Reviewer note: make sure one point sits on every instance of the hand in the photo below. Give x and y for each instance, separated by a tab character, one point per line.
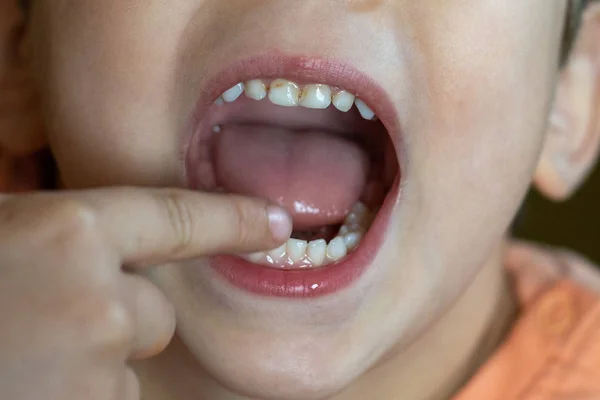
70	316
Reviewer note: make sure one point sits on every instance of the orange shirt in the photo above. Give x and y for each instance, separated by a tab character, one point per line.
553	351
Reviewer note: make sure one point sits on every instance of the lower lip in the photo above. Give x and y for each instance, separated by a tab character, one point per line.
310	283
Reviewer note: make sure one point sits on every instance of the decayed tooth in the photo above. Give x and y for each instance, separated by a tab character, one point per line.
353	219
352	240
316	96
343	100
360	208
358	215
234	93
284	93
317	250
296	249
357	227
343	230
256	89
336	250
364	110
277	255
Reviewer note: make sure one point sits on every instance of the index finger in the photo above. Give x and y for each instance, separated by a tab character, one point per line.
161	225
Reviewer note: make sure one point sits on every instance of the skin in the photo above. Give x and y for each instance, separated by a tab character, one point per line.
474	87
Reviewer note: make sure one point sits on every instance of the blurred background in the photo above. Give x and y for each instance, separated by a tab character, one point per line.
574	224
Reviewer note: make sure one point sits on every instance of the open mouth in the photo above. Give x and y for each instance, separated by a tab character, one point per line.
312	140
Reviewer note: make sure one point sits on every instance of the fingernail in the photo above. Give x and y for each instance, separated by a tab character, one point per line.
280	223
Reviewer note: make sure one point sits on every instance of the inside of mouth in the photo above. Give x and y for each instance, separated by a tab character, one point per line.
329	164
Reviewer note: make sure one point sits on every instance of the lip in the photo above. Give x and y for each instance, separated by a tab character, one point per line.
310	282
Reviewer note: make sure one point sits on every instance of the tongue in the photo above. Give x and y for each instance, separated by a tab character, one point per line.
317	176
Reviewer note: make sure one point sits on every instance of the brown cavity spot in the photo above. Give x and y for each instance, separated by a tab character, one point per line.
324	232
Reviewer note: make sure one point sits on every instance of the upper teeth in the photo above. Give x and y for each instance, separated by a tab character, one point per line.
288	94
256	89
364	109
343	100
316	96
284	93
234	93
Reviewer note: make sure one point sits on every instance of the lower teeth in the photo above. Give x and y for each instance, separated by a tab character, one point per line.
295	254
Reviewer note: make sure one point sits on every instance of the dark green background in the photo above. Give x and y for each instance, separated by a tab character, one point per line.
574	224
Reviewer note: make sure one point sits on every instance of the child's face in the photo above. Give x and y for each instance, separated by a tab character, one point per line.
471	83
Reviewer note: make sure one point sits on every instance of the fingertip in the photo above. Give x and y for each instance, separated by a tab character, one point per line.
280	223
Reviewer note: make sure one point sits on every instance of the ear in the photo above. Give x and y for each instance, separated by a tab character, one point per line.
21	130
573	139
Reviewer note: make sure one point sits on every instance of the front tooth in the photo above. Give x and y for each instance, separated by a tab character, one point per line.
352	240
256	258
317	250
256	89
277	255
234	93
364	110
316	96
336	250
284	93
296	250
343	101
219	101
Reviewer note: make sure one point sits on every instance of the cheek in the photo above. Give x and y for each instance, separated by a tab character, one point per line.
107	88
474	118
480	119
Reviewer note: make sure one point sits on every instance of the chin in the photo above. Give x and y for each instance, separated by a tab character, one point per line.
287	368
